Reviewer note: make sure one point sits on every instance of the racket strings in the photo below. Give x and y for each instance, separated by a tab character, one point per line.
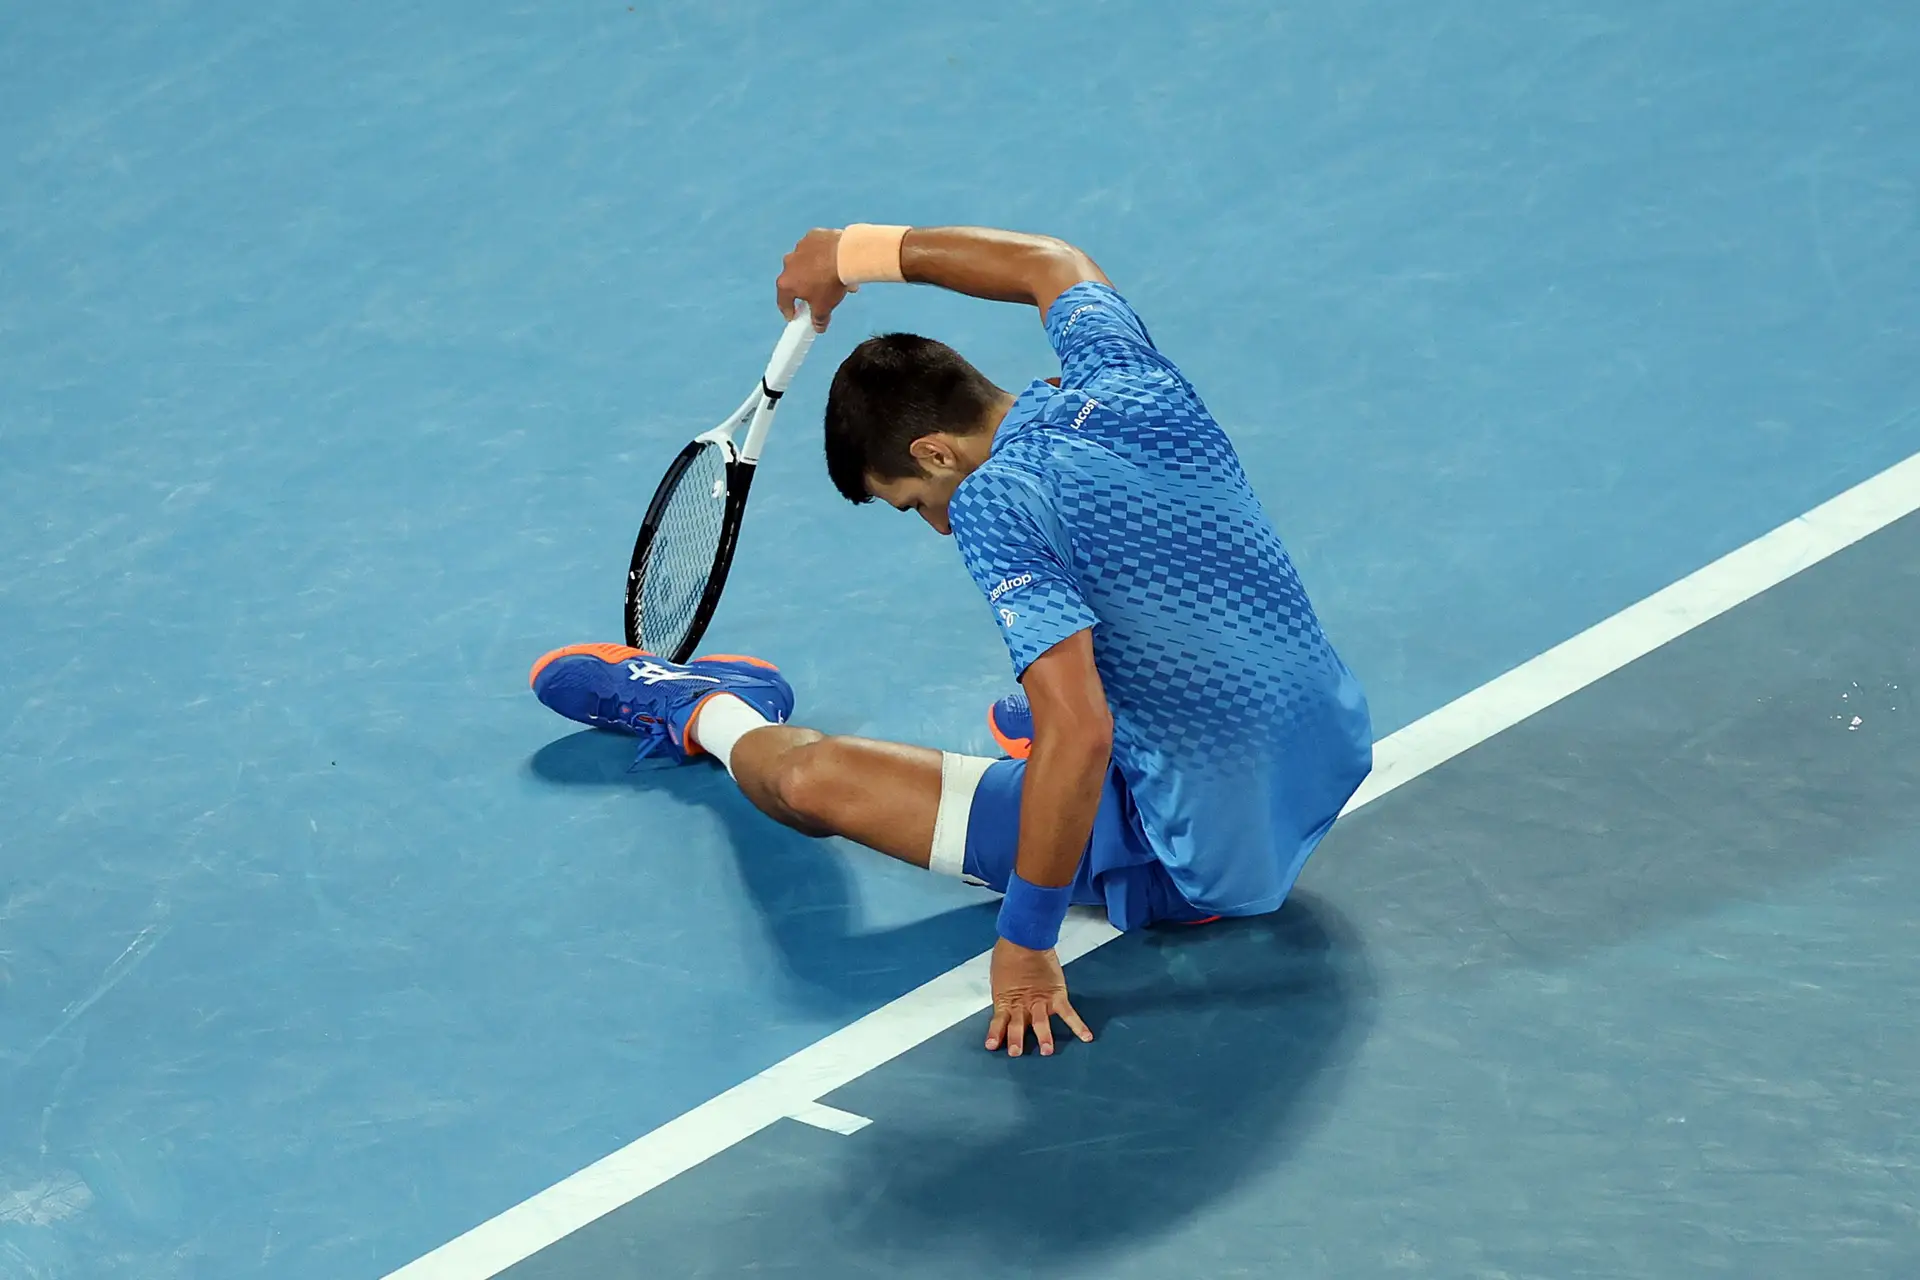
681	559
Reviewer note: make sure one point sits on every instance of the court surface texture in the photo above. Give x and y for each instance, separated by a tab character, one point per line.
1573	348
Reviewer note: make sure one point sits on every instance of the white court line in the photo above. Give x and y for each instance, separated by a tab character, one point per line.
832	1119
788	1087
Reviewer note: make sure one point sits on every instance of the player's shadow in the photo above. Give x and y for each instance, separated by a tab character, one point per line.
1220	1049
798	885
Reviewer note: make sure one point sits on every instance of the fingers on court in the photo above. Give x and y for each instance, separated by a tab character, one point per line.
1073	1020
997	1028
1016	1031
1042	1026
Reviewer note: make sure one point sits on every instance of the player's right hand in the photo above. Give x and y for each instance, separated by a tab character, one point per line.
1029	990
811	274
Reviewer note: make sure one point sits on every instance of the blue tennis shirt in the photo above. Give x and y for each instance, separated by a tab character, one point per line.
1116	502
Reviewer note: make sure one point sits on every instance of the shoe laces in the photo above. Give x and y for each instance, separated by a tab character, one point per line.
655	737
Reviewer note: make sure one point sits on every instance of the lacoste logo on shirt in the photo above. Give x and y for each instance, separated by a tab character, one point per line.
1077	312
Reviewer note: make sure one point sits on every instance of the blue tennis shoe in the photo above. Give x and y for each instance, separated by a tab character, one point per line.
611	686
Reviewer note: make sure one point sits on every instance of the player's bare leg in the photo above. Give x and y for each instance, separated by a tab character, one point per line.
734	708
883	795
910	803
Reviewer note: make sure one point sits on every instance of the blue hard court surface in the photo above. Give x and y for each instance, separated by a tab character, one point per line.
340	345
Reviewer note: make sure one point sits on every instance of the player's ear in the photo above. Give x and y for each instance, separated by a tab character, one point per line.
933	451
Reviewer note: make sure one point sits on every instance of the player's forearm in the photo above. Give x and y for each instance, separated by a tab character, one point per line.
1065	775
1002	266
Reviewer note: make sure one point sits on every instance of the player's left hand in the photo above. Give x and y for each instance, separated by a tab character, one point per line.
1029	988
811	274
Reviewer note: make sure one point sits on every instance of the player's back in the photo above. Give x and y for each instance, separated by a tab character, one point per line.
1206	636
1239	729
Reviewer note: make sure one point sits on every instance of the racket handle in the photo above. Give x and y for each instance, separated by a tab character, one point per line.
790	350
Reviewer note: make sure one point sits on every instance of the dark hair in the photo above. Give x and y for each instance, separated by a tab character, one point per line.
893	390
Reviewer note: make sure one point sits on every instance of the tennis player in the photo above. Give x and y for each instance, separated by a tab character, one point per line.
1186	734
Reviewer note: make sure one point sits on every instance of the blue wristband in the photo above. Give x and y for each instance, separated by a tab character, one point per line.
1030	916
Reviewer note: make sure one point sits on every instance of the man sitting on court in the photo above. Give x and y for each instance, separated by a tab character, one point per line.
1187	734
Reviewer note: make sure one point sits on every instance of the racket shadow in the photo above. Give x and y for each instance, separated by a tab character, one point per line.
799	886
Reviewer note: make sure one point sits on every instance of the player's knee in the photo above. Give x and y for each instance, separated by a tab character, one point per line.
808	781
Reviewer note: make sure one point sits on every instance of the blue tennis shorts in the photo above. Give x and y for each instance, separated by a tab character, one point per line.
1118	871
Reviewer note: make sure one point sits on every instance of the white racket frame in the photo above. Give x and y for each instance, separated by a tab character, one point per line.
758	409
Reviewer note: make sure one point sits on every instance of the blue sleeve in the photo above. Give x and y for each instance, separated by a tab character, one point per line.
1105	351
1094	331
1016	552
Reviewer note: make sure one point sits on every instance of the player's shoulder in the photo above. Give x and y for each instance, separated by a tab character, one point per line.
1104	345
1011	478
1085	298
1013	493
1093	309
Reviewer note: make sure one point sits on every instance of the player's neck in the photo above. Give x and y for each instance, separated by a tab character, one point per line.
977	446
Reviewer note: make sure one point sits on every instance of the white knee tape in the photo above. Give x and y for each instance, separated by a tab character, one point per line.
959	779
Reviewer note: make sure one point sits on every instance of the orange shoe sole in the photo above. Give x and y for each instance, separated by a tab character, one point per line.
612	653
736	657
1016	748
617	653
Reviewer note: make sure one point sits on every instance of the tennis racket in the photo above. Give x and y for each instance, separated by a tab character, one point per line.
685	547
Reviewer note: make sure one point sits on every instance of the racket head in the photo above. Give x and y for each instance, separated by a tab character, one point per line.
686	541
685	547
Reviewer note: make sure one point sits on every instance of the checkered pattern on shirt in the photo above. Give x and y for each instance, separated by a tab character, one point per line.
1117	503
1121	503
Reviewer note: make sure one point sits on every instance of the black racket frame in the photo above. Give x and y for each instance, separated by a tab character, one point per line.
739	481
